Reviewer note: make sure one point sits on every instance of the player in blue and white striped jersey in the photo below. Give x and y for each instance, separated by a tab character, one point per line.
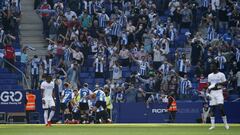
66	96
84	93
101	112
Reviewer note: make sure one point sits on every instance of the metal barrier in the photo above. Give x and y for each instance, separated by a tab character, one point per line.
24	79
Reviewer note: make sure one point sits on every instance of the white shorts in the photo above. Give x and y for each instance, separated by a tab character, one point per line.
216	97
48	103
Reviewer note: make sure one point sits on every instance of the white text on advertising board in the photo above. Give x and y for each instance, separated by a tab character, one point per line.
158	110
10	97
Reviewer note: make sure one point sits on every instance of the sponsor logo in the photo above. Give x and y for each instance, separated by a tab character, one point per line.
11	97
159	110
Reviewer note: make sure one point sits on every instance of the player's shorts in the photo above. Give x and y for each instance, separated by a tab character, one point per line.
101	103
83	106
216	97
63	106
101	115
48	103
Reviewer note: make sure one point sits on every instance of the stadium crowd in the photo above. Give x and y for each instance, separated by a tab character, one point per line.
10	15
138	50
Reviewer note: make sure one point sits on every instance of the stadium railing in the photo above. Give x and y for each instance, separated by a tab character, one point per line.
24	78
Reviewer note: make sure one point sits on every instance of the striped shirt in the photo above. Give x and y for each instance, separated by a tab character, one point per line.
221	60
184	86
210	33
123	20
48	66
35	65
205	3
143	65
100	95
165	68
116	29
84	92
88	6
67	55
98	65
67	96
172	34
102	19
182	65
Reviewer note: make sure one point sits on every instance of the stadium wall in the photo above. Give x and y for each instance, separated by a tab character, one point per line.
188	112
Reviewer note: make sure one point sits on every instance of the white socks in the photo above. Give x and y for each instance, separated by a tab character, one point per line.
224	118
212	121
51	115
46	116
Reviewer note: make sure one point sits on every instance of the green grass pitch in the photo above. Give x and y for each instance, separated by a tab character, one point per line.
119	129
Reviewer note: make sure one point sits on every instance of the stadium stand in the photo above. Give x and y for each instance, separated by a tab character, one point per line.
8	79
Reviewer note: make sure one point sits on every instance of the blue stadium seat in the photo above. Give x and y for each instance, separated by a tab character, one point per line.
9	76
125	69
4	70
167	12
163	18
89	81
134	68
99	80
11	87
84	75
183	30
91	69
8	81
126	74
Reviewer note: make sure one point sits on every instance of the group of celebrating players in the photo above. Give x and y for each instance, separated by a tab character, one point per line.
77	106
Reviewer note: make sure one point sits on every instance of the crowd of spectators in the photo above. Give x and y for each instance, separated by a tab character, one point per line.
166	45
10	15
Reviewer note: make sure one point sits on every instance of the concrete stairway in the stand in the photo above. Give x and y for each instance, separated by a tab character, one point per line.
31	30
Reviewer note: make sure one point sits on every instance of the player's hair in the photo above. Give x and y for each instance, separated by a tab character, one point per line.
85	85
66	84
215	63
49	77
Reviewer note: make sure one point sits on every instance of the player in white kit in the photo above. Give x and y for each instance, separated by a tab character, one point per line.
216	80
48	100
